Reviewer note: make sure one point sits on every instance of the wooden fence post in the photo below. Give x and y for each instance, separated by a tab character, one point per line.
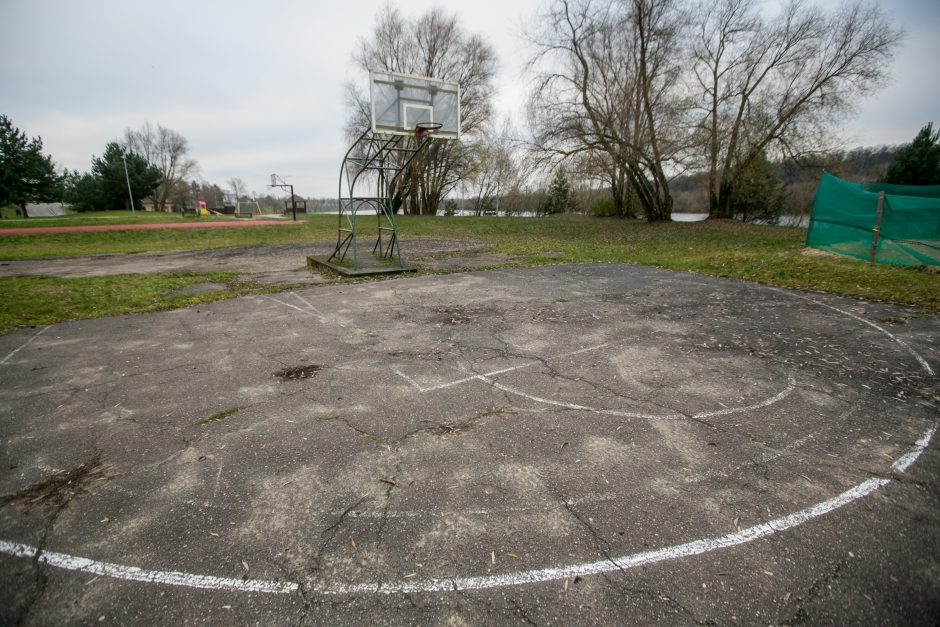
877	230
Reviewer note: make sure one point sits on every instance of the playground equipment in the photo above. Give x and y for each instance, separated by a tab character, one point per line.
247	207
407	113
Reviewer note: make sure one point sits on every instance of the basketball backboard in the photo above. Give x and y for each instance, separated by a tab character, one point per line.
401	101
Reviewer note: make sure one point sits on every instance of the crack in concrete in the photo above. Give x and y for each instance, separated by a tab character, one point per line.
333	529
522	612
800	615
64	497
348	423
383	521
604	547
40	578
459	426
671	602
600	542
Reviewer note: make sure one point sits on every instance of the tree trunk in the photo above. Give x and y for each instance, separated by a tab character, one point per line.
720	206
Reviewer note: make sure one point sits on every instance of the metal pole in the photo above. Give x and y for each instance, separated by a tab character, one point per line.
128	177
293	204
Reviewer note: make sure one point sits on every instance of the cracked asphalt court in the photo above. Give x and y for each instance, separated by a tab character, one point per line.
565	444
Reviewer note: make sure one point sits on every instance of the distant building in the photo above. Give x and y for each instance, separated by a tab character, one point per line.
44	209
300	204
149	204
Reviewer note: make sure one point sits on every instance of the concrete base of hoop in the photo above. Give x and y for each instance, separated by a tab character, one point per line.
368	265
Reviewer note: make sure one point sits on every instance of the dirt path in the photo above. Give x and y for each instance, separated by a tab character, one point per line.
271	265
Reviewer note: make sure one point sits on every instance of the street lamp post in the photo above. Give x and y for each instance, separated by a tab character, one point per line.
128	177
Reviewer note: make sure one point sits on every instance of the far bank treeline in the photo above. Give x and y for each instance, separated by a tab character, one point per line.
637	108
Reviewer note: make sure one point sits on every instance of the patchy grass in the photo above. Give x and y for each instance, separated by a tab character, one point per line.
218	416
37	245
769	255
9	212
33	301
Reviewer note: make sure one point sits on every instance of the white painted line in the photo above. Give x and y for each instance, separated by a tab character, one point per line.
218	480
761	459
688	549
409	380
546	401
482	377
904	462
308	304
25	344
295	307
477	377
635	560
791	385
486	378
132	573
907	347
319	313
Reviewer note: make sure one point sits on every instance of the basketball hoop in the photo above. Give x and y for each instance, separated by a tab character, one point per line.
423	129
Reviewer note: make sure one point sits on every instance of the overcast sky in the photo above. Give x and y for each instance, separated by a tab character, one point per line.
258	87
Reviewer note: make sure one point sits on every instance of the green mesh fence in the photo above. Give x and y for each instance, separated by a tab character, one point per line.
846	221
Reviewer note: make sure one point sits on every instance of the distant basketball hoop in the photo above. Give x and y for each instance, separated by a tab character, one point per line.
423	129
406	112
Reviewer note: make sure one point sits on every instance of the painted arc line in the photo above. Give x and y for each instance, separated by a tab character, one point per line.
486	378
791	385
695	547
923	362
132	573
635	560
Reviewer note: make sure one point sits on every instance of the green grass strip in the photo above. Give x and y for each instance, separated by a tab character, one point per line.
218	416
34	301
762	254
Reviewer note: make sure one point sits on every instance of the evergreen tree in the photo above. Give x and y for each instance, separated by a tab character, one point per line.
105	187
560	197
757	193
26	175
917	163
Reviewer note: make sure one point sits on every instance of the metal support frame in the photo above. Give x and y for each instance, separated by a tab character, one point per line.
282	184
378	158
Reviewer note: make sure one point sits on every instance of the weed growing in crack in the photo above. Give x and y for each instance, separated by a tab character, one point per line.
218	416
298	372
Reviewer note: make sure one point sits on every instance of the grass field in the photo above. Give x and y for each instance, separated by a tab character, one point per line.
769	255
35	301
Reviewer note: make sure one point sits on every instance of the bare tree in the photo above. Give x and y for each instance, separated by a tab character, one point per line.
606	77
497	169
166	150
434	45
778	85
238	187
